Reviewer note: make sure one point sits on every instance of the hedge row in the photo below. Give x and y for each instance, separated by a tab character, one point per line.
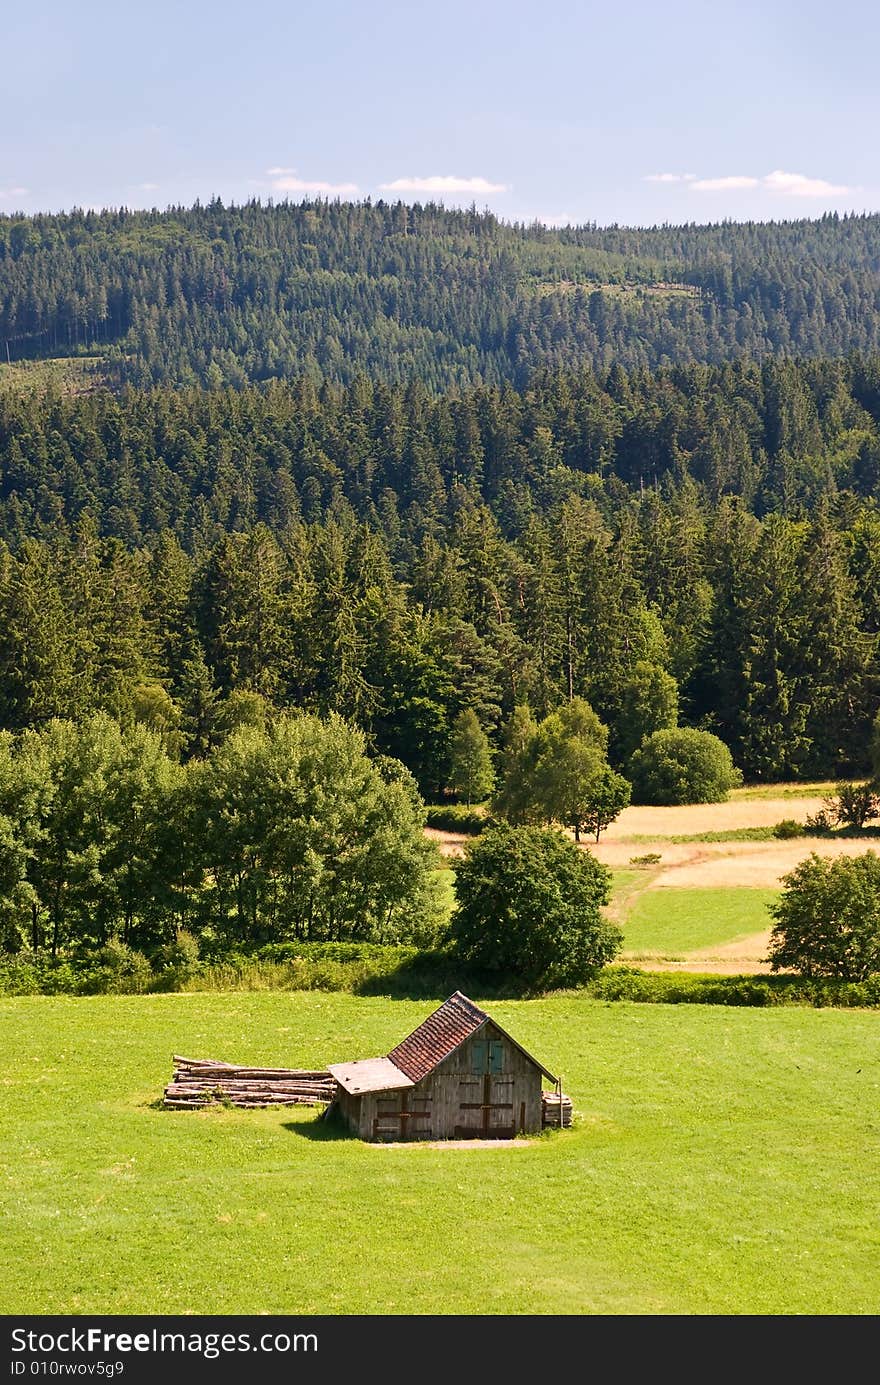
374	969
456	817
677	988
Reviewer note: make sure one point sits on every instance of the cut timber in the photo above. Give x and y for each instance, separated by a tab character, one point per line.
199	1082
556	1110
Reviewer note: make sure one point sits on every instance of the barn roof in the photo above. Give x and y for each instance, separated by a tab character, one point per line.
442	1033
370	1075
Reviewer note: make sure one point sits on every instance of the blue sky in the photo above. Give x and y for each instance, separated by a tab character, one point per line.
579	111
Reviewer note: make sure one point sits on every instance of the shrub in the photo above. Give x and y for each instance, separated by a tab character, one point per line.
529	907
115	969
818	824
683	766
650	858
788	828
667	988
177	962
456	817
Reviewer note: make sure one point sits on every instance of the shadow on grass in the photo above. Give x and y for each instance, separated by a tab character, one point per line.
322	1128
435	975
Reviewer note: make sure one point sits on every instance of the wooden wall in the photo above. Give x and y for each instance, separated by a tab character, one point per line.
486	1089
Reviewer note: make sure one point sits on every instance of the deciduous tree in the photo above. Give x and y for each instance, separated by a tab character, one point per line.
529	908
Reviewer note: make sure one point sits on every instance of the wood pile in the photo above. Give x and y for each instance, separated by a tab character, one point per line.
198	1082
556	1110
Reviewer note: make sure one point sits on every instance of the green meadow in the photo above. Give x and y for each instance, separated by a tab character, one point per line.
670	922
722	1161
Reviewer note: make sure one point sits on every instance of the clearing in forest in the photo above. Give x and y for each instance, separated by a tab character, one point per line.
702	905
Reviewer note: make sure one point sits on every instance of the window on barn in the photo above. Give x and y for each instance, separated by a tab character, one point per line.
487	1056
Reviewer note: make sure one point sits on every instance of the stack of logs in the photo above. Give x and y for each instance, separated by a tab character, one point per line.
556	1110
200	1081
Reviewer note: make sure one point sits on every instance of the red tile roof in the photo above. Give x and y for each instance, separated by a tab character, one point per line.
438	1036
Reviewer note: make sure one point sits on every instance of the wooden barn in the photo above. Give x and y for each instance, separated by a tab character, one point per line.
458	1076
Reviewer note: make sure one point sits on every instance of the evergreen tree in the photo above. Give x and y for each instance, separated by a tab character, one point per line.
649	703
470	758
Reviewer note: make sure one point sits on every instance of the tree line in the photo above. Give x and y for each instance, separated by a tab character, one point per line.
213	295
773	647
284	833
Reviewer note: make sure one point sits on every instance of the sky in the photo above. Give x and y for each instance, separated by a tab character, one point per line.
577	112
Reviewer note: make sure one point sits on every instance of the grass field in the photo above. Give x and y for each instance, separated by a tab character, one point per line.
69	374
669	922
723	1161
750	793
444	879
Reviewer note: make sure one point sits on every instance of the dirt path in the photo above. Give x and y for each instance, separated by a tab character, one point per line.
742	955
708	865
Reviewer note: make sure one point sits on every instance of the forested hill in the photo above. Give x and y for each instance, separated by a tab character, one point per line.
780	437
400	557
216	295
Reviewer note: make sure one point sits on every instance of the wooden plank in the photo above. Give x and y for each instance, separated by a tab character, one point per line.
486	1106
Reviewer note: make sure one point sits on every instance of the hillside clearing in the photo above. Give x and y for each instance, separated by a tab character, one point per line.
667	923
701	906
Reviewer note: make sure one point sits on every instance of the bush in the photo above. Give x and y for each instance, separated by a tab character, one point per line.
683	766
818	824
177	962
828	918
115	969
787	829
529	907
27	974
667	988
456	817
853	804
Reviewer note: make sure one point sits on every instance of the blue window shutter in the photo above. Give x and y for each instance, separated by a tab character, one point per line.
480	1056
496	1056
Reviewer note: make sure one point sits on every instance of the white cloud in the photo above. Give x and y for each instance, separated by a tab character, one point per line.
733	183
784	184
440	183
779	182
287	180
796	185
559	219
147	187
6	193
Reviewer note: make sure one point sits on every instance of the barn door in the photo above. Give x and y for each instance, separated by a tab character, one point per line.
403	1116
485	1109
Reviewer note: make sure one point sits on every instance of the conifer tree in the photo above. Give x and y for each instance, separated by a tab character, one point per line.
470	758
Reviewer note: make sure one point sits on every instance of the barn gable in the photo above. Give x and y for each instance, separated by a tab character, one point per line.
457	1019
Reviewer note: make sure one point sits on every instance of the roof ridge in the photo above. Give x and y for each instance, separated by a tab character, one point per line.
472	1005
